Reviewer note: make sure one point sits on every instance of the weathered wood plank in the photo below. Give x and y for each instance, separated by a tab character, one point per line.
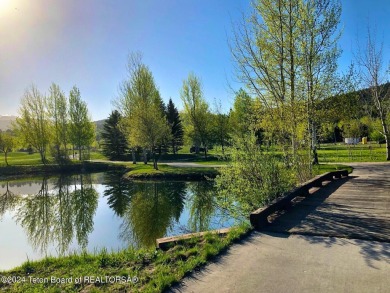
163	243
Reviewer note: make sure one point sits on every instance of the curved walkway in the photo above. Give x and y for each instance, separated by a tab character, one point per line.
335	240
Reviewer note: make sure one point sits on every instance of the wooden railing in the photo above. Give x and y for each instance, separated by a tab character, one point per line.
259	218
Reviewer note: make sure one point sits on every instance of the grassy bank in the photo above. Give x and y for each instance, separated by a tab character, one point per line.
26	159
53	169
142	171
372	152
129	270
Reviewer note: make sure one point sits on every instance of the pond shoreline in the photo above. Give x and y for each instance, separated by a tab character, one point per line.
130	171
190	176
15	172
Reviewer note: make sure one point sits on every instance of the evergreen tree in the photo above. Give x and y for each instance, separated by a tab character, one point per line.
175	125
115	143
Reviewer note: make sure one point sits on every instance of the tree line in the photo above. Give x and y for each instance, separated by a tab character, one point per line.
143	123
52	125
286	56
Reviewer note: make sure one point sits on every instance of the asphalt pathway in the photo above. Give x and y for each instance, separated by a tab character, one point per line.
335	240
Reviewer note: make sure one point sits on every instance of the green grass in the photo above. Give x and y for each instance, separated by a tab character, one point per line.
155	270
323	168
329	153
23	158
141	170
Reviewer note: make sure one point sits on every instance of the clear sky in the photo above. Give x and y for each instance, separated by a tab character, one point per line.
86	43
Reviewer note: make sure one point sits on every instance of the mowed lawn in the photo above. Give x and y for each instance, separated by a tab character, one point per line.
23	158
340	152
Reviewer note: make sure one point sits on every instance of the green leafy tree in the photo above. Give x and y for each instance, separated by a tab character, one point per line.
374	75
221	128
176	127
196	112
81	128
115	143
242	114
252	178
319	50
142	106
285	53
7	142
58	112
33	124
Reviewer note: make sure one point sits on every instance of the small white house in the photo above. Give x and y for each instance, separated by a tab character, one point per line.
352	140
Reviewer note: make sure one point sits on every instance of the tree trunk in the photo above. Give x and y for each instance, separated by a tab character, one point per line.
5	157
43	159
133	156
155	161
387	147
145	155
173	148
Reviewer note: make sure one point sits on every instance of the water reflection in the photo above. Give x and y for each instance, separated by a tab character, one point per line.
61	213
8	201
153	210
55	214
201	205
118	192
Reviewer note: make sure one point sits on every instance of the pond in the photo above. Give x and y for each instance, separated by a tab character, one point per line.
61	215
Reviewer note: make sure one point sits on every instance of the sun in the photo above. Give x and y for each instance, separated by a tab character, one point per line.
4	4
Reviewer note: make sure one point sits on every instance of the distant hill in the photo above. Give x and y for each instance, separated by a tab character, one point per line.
99	128
99	125
5	122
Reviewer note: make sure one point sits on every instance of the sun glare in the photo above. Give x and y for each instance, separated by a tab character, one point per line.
7	7
4	3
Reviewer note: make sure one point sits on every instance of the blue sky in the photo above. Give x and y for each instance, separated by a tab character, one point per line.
86	43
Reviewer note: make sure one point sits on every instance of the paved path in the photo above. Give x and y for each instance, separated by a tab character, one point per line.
190	164
174	164
306	248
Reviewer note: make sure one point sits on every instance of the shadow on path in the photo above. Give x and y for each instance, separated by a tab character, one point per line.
349	208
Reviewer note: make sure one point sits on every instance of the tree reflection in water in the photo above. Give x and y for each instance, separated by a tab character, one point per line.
151	209
8	201
154	208
118	192
201	205
52	216
61	214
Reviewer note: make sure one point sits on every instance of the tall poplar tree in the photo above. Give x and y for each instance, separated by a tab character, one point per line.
58	112
286	54
81	128
33	124
143	110
196	110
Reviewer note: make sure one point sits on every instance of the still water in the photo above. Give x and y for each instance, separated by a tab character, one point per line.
66	214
